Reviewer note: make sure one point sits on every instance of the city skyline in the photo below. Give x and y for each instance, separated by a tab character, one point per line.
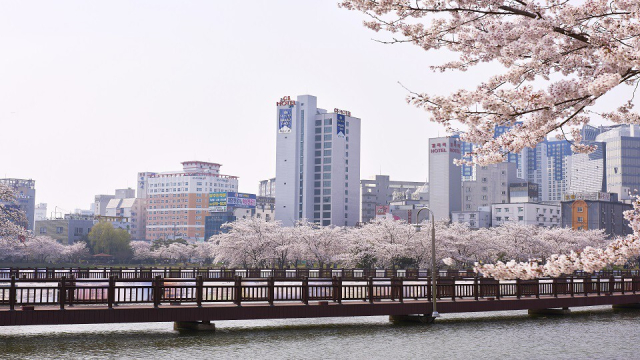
87	115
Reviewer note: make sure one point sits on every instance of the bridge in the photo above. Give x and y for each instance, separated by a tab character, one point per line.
198	296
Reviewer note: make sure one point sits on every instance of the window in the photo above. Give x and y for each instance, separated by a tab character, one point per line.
326	176
326	183
326	207
318	137
327	129
327	153
499	218
43	230
318	122
506	209
580	209
521	218
327	137
498	210
59	230
318	168
327	145
580	219
328	121
326	168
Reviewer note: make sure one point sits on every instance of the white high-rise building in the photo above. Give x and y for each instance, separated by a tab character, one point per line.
445	178
317	163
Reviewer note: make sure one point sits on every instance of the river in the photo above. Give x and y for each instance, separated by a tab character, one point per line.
596	332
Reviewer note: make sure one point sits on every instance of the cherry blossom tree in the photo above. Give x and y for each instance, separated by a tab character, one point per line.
247	242
557	59
320	244
43	249
142	251
11	218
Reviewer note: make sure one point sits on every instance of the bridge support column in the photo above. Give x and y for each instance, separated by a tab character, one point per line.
626	306
414	318
205	325
563	311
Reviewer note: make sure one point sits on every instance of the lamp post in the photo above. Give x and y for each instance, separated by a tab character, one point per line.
434	274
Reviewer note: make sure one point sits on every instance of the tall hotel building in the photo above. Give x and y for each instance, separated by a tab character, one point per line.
445	177
177	202
317	164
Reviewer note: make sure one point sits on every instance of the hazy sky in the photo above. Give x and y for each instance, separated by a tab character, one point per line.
93	92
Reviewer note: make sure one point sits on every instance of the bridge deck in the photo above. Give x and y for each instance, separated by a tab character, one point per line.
94	314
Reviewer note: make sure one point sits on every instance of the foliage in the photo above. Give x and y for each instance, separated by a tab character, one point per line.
556	59
104	238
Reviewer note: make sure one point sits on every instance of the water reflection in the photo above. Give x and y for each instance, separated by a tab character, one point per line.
589	333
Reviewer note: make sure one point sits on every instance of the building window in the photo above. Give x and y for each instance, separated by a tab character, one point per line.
580	209
43	230
59	230
580	219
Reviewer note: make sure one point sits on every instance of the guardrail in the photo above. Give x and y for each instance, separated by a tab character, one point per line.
210	273
158	291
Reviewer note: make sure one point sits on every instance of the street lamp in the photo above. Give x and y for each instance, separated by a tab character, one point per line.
434	288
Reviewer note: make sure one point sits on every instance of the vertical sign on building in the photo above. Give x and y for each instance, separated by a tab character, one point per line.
340	128
284	120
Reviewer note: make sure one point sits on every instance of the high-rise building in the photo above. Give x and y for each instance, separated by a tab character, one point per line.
622	160
178	201
445	178
588	171
41	211
25	198
100	204
267	188
125	193
381	190
317	164
490	185
130	213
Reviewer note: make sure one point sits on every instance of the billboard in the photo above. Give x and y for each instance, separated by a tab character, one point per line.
223	201
284	120
240	200
218	202
340	129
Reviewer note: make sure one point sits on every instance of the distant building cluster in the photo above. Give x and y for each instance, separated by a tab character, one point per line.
318	180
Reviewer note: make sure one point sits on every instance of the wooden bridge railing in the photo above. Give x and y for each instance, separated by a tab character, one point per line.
211	273
158	291
222	273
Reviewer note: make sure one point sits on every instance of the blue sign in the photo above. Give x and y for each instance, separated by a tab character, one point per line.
241	200
340	130
284	120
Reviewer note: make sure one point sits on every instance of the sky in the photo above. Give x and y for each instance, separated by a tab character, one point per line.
91	93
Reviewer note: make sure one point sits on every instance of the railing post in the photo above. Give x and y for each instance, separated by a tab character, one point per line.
453	288
334	289
238	290
498	291
537	288
571	290
518	288
271	285
62	295
611	284
370	287
157	291
199	290
622	284
12	294
634	280
305	290
111	292
71	290
401	289
476	289
429	297
554	287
